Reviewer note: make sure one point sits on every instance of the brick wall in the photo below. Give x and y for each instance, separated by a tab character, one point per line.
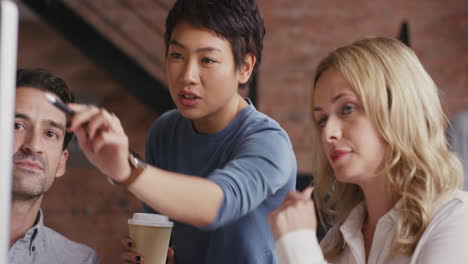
84	207
301	33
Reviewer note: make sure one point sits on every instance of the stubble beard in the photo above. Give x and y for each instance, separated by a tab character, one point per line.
28	185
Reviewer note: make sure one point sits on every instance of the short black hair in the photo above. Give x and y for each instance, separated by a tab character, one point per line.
43	80
238	21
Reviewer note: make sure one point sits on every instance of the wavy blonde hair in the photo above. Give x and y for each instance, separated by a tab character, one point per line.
402	102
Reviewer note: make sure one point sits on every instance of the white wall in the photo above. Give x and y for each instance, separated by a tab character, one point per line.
8	47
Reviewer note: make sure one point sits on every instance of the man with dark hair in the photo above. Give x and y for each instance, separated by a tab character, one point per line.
42	80
40	156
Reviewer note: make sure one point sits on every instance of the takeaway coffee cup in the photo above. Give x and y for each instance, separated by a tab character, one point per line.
151	233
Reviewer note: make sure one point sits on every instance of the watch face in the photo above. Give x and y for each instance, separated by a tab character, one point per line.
133	160
136	162
141	163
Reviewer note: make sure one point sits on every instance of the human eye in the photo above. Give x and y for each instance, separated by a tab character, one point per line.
208	61
52	134
19	127
322	121
348	109
175	55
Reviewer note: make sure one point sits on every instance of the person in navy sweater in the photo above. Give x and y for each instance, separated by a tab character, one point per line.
216	165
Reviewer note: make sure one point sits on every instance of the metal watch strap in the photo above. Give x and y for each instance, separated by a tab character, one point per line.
137	167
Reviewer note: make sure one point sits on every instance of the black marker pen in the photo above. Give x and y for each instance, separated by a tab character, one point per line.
67	110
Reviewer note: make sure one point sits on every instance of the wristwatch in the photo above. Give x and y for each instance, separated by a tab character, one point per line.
137	166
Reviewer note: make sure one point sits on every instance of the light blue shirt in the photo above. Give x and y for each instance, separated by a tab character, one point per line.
42	245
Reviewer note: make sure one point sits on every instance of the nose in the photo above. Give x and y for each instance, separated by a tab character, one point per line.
33	142
332	130
190	73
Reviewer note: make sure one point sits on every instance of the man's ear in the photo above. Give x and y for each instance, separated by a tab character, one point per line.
247	68
62	166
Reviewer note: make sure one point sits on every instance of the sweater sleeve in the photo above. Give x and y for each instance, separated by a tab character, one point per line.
262	164
299	247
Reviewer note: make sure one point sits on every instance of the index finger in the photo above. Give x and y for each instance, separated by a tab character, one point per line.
127	243
307	192
83	113
77	107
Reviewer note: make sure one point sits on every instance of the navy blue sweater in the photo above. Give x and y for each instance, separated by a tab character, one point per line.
253	162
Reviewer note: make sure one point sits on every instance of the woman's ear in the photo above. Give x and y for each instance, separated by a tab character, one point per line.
247	68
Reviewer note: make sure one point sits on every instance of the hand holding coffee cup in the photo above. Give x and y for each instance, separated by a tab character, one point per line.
151	234
128	256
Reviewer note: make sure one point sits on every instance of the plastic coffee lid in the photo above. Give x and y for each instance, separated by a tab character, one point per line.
150	217
150	220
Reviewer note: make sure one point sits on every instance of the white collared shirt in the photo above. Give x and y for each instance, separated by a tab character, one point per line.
444	241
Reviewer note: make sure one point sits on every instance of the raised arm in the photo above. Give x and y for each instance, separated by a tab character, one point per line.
184	198
294	224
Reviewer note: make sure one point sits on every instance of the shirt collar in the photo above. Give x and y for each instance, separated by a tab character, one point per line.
353	224
33	234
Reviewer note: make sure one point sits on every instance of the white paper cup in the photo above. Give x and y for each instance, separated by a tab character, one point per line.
151	234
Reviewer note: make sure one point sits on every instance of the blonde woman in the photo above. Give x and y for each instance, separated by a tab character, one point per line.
384	162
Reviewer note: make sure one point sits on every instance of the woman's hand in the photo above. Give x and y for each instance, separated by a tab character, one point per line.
102	140
297	211
128	256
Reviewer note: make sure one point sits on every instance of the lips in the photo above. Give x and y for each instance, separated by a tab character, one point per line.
188	98
338	154
29	165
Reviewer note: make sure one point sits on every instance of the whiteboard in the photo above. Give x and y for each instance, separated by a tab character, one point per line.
8	47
